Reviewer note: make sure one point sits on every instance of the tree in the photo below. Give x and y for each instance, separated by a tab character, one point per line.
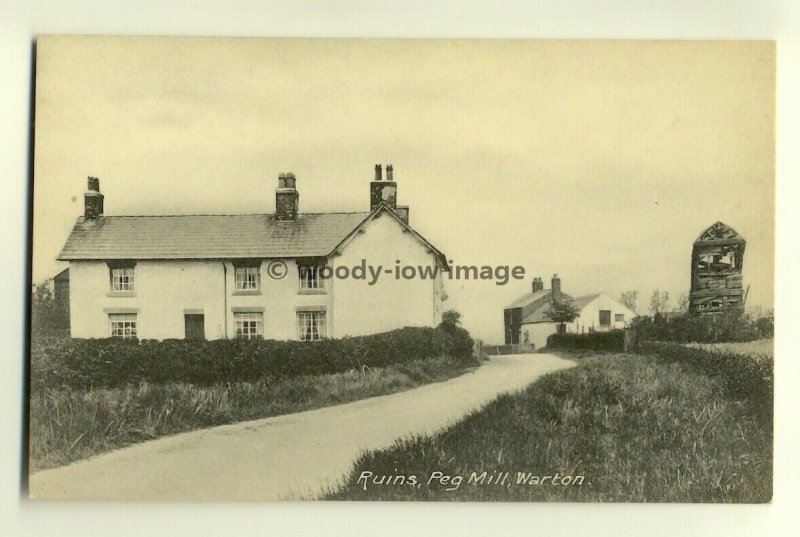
451	318
562	311
46	319
628	299
658	301
683	303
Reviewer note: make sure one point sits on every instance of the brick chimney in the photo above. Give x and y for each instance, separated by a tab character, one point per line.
555	286
381	191
538	284
92	200
286	197
402	212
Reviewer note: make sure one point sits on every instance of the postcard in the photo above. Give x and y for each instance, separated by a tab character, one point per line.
402	270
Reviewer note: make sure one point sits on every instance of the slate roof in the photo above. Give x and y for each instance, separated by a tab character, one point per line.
208	236
538	311
535	305
582	301
528	299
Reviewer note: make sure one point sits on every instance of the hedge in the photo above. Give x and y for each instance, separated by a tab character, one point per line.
612	340
685	328
85	363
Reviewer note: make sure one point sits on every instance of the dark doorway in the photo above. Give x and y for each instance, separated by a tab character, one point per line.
195	326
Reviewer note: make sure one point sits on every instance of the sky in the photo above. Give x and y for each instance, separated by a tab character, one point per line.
599	161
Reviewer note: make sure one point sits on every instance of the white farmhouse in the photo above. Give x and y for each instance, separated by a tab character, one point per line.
255	275
526	320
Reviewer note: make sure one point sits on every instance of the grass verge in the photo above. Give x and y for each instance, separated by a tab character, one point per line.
617	428
67	425
758	349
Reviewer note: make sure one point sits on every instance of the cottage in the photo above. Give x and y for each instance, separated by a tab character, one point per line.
248	275
526	320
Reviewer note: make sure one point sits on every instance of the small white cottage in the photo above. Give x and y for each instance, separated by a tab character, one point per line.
526	319
249	276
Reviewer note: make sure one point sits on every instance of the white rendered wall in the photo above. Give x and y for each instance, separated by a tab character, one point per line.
390	303
279	299
590	315
163	290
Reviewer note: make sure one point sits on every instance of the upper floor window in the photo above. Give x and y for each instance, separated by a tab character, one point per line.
310	277
248	278
123	278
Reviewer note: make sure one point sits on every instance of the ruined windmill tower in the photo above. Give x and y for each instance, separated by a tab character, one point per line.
717	258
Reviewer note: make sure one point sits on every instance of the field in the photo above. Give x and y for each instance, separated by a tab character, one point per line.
69	424
658	427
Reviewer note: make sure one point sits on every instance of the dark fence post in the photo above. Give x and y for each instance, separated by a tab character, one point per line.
630	343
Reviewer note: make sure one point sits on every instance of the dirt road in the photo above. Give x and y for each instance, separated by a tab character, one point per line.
297	456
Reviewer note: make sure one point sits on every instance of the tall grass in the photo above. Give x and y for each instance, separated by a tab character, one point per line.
635	428
72	424
759	349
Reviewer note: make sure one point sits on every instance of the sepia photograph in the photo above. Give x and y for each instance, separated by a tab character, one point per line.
425	270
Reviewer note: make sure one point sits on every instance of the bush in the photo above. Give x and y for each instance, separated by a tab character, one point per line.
613	341
766	327
84	363
685	328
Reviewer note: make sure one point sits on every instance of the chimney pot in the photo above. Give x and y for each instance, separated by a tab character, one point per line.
389	172
538	284
382	191
282	180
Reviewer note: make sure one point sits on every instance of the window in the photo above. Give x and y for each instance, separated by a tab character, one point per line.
605	317
123	325
122	278
248	278
619	317
309	277
249	325
310	325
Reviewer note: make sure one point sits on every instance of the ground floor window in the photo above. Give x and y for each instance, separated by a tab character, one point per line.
619	317
249	325
123	325
310	325
605	317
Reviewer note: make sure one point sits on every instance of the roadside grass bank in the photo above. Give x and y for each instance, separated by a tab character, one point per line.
758	348
69	424
657	427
